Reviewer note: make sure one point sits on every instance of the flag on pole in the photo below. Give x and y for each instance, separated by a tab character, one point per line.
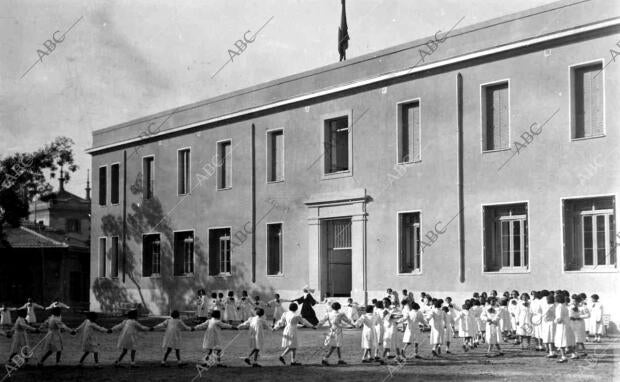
343	34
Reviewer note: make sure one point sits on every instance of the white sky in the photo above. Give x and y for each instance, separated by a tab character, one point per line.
128	59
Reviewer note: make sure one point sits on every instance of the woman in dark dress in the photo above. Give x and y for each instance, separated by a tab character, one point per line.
307	302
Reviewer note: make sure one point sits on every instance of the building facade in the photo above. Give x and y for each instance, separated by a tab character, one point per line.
478	158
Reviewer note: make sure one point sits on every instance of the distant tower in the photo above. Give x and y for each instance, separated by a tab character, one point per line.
61	181
87	184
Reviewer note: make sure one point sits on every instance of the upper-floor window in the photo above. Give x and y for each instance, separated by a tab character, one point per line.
336	145
114	183
495	116
183	253
505	237
589	233
183	171
409	132
151	255
148	168
103	184
224	162
587	101
275	156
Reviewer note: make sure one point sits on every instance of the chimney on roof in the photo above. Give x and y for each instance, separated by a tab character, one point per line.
87	184
61	180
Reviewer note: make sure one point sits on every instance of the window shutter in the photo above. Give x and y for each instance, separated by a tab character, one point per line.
597	101
415	134
279	156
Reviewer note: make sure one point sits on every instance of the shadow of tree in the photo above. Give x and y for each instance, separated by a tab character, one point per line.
166	292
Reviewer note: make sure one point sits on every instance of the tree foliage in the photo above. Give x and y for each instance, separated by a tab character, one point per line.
24	176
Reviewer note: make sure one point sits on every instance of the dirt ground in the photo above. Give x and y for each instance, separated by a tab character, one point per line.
601	364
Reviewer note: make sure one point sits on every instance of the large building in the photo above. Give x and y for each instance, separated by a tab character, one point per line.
479	158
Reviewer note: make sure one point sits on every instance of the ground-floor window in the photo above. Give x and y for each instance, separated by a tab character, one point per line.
183	253
114	257
589	233
409	259
219	251
274	249
505	237
103	244
151	255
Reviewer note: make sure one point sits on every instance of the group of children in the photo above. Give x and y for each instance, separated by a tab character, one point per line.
556	321
234	309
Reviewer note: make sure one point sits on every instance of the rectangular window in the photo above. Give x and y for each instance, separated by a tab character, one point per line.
148	168
495	116
589	233
409	132
274	249
275	156
114	252
409	259
587	105
103	184
183	253
103	248
505	237
114	183
219	251
183	171
73	225
336	145
224	168
151	255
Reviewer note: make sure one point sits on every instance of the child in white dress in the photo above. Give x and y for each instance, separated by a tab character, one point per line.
278	310
290	341
492	332
369	340
547	326
412	319
465	325
563	333
336	320
211	341
20	336
245	308
391	316
596	318
213	304
351	310
172	338
524	321
5	317
379	311
89	340
128	339
577	314
504	319
578	319
257	327
449	327
435	319
53	340
30	306
230	308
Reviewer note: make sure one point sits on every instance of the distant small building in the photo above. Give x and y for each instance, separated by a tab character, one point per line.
48	255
